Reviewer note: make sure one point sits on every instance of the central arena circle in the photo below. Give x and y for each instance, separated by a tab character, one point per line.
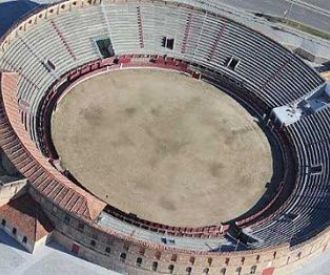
162	145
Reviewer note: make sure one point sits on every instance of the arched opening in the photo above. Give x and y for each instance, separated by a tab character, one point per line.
188	270
123	257
223	271
243	260
253	269
206	271
171	268
192	260
209	261
93	243
154	266
139	262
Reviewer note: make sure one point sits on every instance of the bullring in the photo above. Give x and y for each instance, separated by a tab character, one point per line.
285	227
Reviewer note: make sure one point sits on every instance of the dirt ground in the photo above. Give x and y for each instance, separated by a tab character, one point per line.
162	145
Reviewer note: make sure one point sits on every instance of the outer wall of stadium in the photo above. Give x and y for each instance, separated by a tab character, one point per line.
74	211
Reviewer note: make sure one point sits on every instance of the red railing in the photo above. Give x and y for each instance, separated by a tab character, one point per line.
127	61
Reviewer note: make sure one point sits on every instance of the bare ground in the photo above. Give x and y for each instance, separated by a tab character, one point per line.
162	145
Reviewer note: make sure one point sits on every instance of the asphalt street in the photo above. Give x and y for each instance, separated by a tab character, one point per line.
315	13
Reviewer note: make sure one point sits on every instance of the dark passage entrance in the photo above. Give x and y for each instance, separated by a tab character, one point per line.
105	47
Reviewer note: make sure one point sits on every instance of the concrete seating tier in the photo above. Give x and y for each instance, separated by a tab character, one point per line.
57	44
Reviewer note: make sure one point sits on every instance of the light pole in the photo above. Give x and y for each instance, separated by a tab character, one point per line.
288	11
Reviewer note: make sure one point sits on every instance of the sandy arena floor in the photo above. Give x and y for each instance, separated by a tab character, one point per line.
162	145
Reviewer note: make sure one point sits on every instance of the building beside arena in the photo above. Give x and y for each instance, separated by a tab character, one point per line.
59	46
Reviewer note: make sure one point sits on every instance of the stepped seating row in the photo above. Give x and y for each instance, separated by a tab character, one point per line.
307	210
61	43
19	148
68	40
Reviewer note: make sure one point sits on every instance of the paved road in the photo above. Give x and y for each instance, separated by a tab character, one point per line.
46	260
312	12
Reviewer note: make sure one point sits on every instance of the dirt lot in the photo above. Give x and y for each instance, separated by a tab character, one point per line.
162	145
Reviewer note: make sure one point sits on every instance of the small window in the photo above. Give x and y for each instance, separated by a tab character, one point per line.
139	262
206	271
108	249
14	230
3	222
209	261
192	260
171	268
174	257
232	63
253	269
258	258
81	226
223	271
227	261
274	254
243	260
24	239
66	219
154	266
238	271
93	243
188	270
123	257
299	255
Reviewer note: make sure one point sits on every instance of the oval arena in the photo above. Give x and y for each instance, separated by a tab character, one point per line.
161	138
163	146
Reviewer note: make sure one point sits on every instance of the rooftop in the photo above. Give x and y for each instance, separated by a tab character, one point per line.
27	216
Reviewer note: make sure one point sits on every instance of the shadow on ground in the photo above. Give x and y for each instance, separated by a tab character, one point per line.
7	240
